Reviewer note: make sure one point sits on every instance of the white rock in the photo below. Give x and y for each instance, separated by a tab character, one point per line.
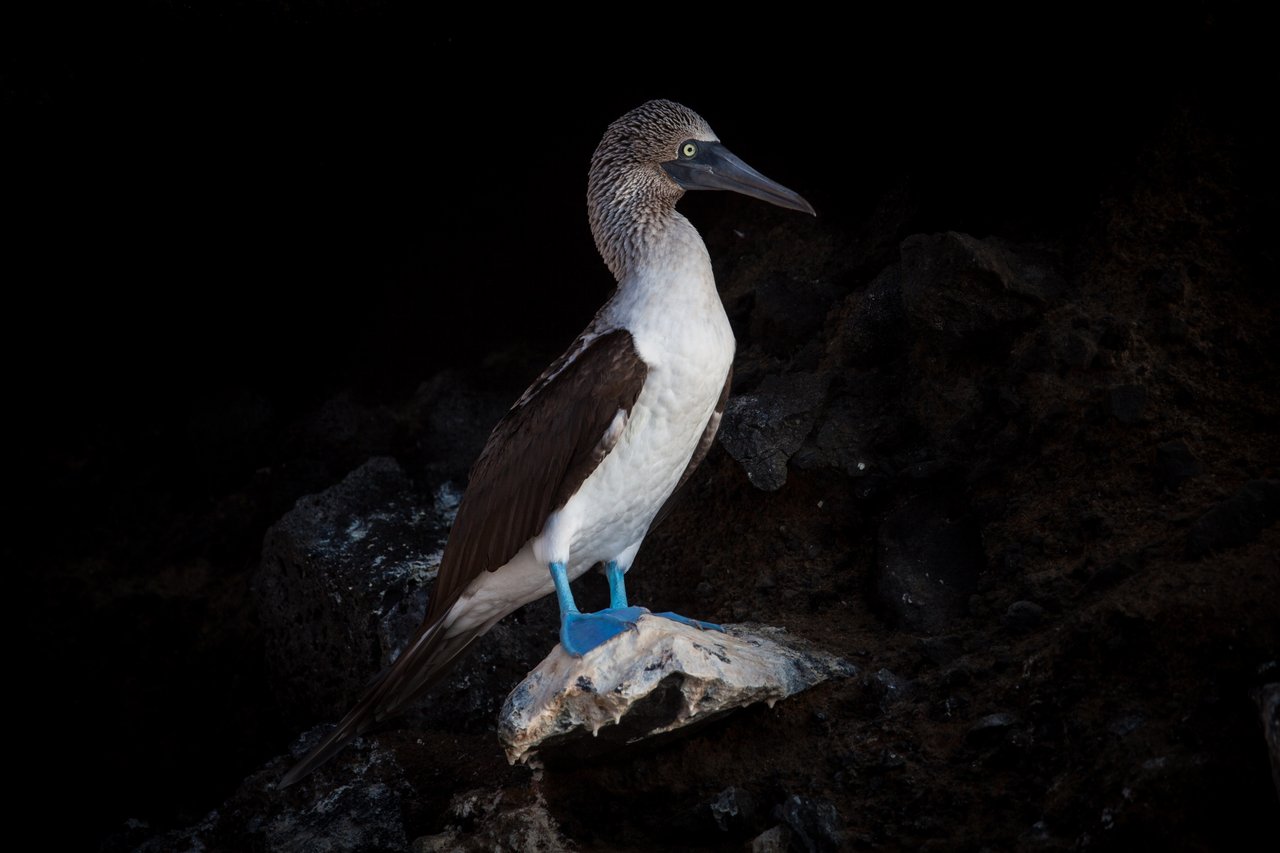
660	677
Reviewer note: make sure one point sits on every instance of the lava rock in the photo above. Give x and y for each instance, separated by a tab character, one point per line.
1168	286
774	840
1175	464
959	290
815	824
853	417
871	324
343	583
762	430
1267	698
453	414
366	813
1023	616
789	311
339	421
496	820
733	808
927	564
1237	520
941	651
889	687
991	730
1126	724
661	677
1079	351
1128	402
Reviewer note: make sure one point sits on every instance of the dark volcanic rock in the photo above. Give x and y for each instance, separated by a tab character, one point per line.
871	324
496	820
343	583
1128	402
789	311
733	808
1078	351
1237	520
1175	464
1023	616
1268	699
454	415
364	814
763	429
927	563
855	429
990	730
815	824
774	840
959	290
889	687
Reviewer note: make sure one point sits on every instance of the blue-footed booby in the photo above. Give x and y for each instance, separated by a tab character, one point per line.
589	457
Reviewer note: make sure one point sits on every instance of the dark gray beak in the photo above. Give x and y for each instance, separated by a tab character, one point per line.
714	167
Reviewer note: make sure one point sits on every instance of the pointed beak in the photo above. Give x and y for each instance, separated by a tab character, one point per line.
717	168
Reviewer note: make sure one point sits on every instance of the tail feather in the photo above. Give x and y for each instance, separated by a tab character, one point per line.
351	726
428	658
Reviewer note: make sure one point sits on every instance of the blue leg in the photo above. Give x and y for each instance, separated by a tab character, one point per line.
617	586
582	632
618	599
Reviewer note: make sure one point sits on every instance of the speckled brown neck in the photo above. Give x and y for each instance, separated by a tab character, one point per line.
630	200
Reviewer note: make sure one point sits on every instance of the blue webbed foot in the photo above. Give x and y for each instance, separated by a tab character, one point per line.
696	623
582	632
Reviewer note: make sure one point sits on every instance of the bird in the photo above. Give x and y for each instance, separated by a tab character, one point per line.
591	454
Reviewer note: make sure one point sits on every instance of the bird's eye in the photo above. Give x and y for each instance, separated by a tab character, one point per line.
689	150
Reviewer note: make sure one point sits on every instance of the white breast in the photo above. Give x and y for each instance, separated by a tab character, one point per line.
672	309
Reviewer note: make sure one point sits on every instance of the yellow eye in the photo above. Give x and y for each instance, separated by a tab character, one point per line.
689	149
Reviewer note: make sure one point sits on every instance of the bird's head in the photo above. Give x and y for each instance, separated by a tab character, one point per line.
665	148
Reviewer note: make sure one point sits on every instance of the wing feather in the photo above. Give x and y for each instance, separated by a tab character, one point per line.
535	459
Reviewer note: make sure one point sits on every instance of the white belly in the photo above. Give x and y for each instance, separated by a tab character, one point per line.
617	503
610	514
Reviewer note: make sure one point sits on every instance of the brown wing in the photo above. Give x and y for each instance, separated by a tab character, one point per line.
537	457
700	452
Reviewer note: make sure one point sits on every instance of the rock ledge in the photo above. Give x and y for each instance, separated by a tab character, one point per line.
661	677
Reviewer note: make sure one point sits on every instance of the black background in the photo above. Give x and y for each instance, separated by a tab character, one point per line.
218	191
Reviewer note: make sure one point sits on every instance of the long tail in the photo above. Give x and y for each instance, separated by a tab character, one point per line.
429	656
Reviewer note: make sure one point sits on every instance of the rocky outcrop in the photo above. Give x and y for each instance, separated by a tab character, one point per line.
343	583
657	679
763	429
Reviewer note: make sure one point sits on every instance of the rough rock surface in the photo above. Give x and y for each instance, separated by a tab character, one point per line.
659	678
764	429
364	812
486	820
344	582
1268	699
929	556
964	292
1237	520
